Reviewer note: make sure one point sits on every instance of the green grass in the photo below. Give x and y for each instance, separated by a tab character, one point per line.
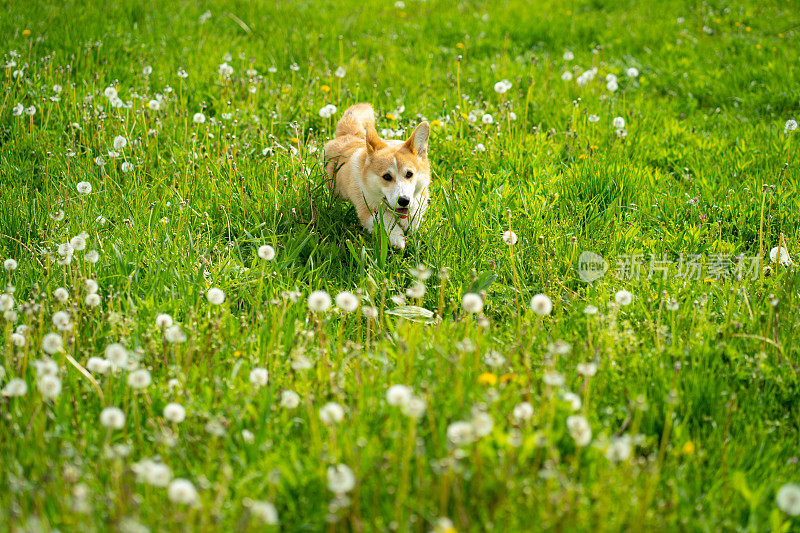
707	394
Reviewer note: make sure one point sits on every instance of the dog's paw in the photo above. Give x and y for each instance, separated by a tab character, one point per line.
398	242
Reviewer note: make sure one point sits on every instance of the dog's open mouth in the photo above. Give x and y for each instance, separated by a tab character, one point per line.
401	212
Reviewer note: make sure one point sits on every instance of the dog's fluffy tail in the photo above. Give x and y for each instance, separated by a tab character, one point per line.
356	120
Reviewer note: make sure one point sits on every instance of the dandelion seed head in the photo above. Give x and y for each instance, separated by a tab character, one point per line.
331	413
266	252
319	301
52	343
112	418
523	412
461	433
182	491
174	412
623	297
399	394
15	388
61	294
98	365
788	499
49	386
265	512
341	479
502	86
541	304
215	296
347	301
472	303
290	399
117	355
139	379
580	430
259	377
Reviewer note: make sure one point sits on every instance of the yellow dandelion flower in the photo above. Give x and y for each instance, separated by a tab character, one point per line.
324	88
487	378
688	448
390	116
747	28
459	45
295	140
286	90
26	33
237	353
505	378
436	123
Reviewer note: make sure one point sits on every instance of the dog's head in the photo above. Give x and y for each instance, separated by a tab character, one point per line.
397	170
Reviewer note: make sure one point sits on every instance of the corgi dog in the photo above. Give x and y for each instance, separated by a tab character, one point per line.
386	180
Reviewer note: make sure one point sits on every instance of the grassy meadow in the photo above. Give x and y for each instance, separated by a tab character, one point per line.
197	335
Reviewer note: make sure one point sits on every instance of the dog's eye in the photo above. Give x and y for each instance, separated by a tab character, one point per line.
387	177
409	174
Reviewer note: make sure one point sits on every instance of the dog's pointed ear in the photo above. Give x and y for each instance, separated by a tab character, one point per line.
374	142
418	141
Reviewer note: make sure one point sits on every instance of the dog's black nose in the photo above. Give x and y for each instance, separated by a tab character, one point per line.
403	201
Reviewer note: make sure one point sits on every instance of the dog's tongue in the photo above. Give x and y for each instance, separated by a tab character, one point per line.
402	211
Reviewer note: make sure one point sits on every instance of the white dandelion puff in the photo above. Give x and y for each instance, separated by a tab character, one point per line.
266	252
623	297
472	303
182	491
52	343
174	412
541	304
788	499
62	294
117	355
15	388
215	296
523	412
319	301
502	86
49	386
163	321
259	377
327	111
290	399
399	394
579	429
341	479
331	413
139	379
112	418
265	511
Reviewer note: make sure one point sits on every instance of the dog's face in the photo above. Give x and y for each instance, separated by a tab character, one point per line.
398	171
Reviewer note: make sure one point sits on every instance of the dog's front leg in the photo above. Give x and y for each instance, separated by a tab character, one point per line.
396	236
393	230
417	212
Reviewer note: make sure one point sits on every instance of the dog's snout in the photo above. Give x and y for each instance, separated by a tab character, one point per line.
403	201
